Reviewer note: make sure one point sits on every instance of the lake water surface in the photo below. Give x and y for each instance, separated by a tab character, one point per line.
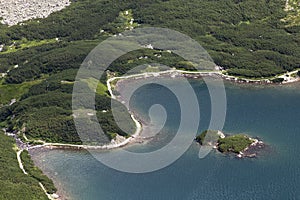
269	112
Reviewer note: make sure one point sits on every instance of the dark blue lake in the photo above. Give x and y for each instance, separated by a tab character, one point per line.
269	112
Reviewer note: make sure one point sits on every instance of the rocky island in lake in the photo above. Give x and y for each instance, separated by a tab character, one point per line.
240	144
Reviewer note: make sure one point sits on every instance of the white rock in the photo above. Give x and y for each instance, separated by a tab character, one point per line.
16	11
55	196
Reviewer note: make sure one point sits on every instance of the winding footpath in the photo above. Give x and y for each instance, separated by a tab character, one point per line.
20	161
21	147
50	196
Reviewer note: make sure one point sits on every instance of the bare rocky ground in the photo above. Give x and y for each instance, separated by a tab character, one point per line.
13	12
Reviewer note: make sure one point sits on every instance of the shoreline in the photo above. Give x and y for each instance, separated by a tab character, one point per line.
251	150
21	146
220	73
173	73
134	139
62	192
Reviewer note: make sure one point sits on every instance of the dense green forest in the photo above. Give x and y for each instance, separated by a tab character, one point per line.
242	36
13	183
227	144
234	143
39	60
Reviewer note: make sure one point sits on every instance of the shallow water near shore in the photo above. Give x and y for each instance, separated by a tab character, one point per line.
268	112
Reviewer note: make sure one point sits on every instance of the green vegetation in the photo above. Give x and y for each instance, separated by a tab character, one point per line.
124	21
243	37
208	137
24	43
277	80
45	111
234	143
46	59
226	144
13	183
248	42
101	88
36	173
252	49
14	91
292	7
